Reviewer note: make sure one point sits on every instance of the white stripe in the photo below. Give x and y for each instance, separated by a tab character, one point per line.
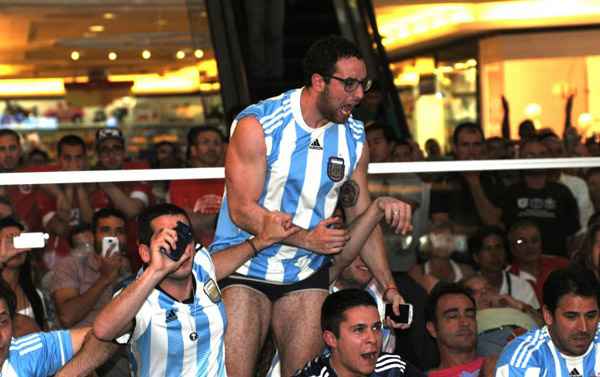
276	182
23	343
279	121
524	348
532	372
63	358
268	118
188	325
91	176
25	351
542	342
557	366
310	188
324	372
393	365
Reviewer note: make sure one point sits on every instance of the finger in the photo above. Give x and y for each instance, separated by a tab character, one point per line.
330	221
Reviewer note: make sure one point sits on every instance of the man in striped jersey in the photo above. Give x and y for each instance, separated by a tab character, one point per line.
38	354
569	344
297	153
352	330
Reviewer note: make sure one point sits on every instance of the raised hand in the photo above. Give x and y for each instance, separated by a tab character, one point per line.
398	214
277	226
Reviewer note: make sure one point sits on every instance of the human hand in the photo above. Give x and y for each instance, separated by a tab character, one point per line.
162	242
327	238
397	213
7	248
110	267
208	204
277	226
395	298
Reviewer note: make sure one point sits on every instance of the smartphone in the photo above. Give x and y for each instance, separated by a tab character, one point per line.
406	313
33	240
184	237
110	246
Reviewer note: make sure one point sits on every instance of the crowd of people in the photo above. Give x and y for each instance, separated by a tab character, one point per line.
286	266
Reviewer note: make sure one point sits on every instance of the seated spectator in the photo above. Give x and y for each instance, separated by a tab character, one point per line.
201	198
16	273
433	150
82	286
588	256
451	320
468	199
35	355
569	344
37	157
550	204
439	266
499	317
528	262
489	252
128	197
352	330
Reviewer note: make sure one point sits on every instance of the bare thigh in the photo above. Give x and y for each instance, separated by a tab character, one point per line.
297	328
248	318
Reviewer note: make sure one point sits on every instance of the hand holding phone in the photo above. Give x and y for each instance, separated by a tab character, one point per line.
110	246
184	237
34	240
406	314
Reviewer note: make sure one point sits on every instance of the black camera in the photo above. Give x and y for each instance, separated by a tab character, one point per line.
184	237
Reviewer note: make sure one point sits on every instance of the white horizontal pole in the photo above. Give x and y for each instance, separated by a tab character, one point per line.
90	176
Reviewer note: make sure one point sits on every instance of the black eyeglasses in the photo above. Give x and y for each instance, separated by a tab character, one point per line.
351	84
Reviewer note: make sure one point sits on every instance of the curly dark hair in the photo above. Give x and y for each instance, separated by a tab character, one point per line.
323	55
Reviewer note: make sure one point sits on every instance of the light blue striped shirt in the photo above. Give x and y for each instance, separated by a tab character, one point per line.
305	169
38	354
173	338
534	354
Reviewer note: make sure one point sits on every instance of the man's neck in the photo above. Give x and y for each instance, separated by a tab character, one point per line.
340	371
452	358
180	290
308	107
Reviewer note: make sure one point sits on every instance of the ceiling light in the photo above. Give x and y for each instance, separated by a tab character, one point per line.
97	28
112	55
75	55
146	54
180	54
108	16
198	53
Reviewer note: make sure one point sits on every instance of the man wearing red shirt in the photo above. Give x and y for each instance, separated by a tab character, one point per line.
201	198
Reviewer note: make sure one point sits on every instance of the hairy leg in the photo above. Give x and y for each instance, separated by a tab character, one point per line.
248	318
297	328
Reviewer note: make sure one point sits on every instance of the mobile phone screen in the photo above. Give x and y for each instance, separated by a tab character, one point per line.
405	316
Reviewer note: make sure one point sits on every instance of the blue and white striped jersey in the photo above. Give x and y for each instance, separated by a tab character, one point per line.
38	354
173	338
305	170
388	344
387	366
534	354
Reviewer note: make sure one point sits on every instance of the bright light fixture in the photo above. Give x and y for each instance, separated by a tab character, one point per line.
199	53
112	55
146	54
180	54
75	55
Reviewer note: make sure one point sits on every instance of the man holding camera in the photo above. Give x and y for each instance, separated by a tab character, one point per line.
172	316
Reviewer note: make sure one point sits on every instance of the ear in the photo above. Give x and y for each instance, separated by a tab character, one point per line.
329	339
318	82
431	329
144	252
547	314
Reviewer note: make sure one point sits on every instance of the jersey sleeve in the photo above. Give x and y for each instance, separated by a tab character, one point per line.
44	353
518	359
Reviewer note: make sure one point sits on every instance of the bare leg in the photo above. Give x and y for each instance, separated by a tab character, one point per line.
297	328
248	318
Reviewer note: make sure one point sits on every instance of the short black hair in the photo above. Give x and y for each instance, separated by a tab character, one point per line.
11	221
38	152
334	308
9	297
323	55
103	213
439	291
476	241
388	133
194	132
523	223
574	279
466	126
151	213
9	132
71	140
78	229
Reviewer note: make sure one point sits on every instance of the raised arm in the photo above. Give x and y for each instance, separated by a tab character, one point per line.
355	199
91	354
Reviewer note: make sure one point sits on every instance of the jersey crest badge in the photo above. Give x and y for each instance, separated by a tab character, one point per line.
336	168
212	291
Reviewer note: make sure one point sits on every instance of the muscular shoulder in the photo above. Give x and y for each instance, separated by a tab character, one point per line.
268	110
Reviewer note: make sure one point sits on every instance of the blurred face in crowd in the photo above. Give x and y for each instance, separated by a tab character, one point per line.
356	275
72	158
6	330
208	150
526	244
335	103
480	290
496	149
355	351
554	146
10	232
432	148
110	226
593	182
379	147
402	153
111	154
596	254
491	256
469	145
456	324
5	210
442	243
166	155
10	153
573	324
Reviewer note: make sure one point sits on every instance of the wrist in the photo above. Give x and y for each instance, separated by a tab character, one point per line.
253	246
388	289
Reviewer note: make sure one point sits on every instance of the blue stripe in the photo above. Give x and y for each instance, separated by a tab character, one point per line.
174	355
221	356
203	343
144	350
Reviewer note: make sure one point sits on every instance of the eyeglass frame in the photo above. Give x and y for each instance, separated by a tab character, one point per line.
366	84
